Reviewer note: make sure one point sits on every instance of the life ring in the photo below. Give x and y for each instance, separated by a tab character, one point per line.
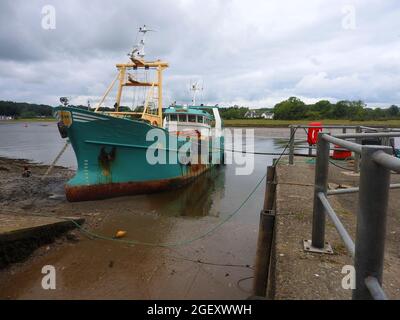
312	133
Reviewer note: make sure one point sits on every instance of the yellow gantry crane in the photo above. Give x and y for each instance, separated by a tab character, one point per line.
153	86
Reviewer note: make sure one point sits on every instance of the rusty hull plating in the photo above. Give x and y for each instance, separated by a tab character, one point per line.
110	190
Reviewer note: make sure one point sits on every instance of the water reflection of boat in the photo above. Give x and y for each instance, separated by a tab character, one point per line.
197	199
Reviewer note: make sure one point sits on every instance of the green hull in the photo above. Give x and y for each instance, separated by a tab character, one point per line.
111	157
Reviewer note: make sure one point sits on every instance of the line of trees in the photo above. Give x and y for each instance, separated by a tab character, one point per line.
24	110
290	109
234	112
295	109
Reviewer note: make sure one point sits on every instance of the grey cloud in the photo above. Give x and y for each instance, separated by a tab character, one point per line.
254	52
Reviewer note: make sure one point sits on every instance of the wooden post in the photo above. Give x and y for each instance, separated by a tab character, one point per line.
265	237
269	189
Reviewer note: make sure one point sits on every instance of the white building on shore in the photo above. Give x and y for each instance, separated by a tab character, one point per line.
6	117
267	115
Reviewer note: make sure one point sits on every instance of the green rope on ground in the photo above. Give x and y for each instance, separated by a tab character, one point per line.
186	242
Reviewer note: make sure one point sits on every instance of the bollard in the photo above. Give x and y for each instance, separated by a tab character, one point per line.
291	145
321	183
371	221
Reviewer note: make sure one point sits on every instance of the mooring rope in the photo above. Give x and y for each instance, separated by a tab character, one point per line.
189	241
171	244
55	160
339	166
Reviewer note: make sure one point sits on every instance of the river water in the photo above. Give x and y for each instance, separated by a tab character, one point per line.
105	269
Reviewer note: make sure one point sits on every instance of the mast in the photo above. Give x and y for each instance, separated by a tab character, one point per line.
195	88
125	79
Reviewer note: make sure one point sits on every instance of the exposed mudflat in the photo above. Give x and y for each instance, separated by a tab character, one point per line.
218	266
20	194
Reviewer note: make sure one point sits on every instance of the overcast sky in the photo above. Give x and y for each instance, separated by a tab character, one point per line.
247	52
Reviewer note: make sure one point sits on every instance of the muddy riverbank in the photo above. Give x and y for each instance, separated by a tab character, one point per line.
218	266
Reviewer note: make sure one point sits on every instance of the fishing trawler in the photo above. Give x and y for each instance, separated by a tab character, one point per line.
143	148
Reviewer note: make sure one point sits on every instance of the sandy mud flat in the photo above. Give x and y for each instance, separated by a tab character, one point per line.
219	266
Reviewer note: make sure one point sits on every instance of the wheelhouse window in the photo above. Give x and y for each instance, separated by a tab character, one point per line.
200	119
182	118
192	118
173	117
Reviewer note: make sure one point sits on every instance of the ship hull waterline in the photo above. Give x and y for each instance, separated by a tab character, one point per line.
111	190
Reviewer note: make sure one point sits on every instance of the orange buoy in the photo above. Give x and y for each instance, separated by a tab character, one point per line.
120	234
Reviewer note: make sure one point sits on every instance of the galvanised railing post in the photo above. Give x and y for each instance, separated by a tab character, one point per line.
385	140
321	183
371	220
356	155
291	144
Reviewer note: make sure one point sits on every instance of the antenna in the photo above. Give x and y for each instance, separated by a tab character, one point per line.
64	101
138	50
195	87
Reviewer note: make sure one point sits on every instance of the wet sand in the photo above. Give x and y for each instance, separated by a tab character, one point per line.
216	267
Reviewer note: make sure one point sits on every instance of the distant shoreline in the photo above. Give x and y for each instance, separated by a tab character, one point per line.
262	123
29	120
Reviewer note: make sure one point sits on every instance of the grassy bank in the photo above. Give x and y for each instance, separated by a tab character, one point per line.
285	123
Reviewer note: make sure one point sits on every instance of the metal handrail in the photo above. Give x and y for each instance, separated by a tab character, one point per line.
305	126
348	241
343	143
368	250
387	161
368	135
356	189
375	288
387	133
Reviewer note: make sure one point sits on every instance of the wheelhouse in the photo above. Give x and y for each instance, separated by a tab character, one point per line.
187	118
